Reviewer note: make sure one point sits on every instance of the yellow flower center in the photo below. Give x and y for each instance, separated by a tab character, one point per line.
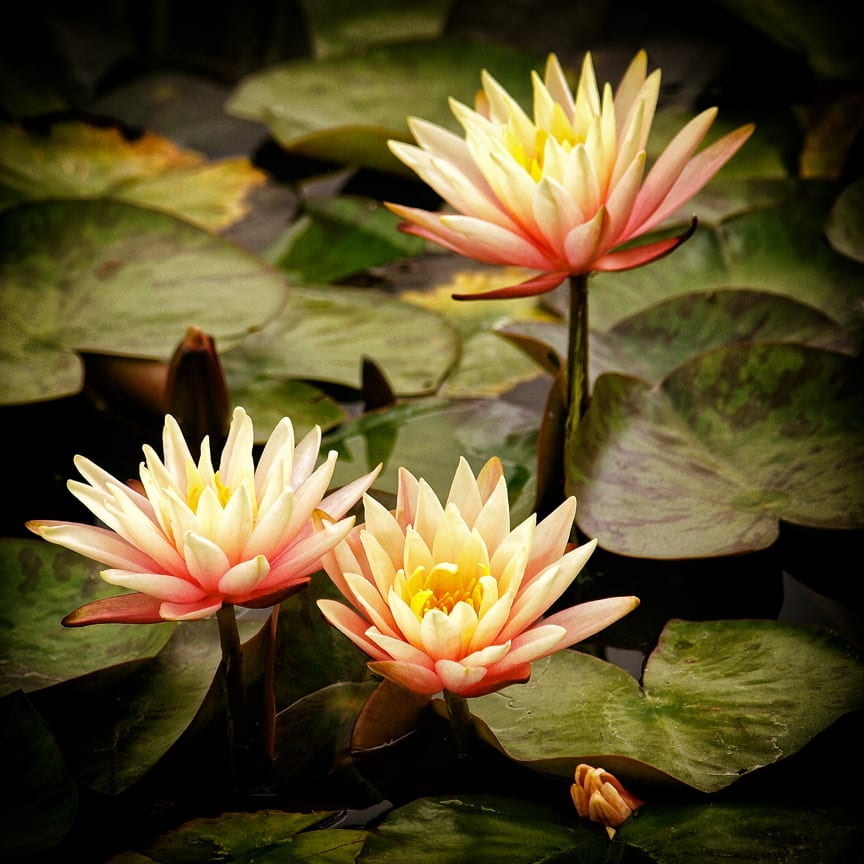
531	158
443	587
223	492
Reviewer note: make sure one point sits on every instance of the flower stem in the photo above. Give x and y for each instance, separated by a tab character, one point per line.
232	665
460	722
577	354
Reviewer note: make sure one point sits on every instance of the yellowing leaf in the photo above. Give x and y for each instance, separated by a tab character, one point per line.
76	160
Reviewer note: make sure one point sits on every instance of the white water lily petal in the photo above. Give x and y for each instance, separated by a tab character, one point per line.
243	578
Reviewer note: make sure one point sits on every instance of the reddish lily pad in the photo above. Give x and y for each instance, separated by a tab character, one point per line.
719	699
110	278
76	160
41	583
731	443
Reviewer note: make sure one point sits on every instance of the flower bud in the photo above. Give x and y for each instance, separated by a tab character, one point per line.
600	797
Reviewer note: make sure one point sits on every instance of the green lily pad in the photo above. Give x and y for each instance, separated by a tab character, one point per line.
724	831
719	699
486	829
338	26
41	584
427	437
110	278
122	731
310	653
488	365
345	108
732	442
651	343
779	250
268	400
317	723
45	801
338	237
845	225
266	836
76	160
324	333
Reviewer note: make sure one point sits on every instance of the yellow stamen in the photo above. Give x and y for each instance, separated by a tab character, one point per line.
196	488
443	587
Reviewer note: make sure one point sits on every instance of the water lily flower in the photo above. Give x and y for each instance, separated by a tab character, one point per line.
446	597
560	192
600	797
190	538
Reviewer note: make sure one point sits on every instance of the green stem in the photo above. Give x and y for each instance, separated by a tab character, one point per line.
577	354
269	719
232	664
461	723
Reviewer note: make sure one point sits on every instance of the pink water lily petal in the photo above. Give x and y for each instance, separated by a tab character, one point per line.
668	167
458	678
447	614
589	618
99	544
530	288
131	608
242	579
206	561
189	611
697	173
559	189
193	538
627	259
338	503
416	678
158	585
